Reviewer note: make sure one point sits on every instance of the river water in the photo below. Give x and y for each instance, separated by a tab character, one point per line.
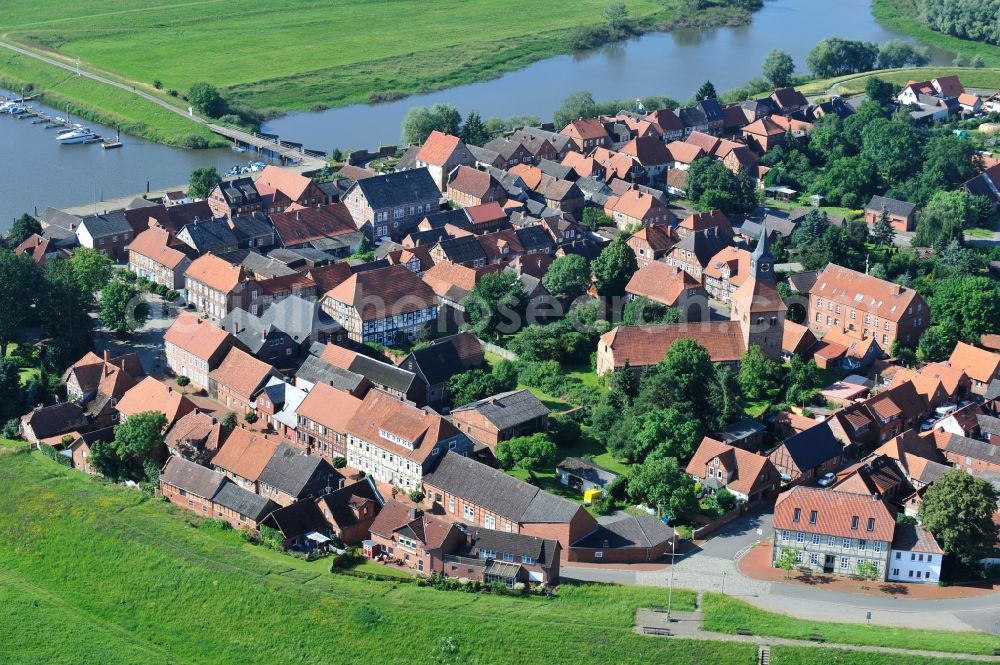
37	172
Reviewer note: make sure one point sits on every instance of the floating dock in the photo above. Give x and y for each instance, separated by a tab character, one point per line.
53	122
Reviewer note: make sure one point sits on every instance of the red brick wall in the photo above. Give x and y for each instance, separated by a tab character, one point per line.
617	555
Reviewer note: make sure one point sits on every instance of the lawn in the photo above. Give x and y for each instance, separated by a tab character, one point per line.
724	614
294	54
94	573
854	84
846	213
786	655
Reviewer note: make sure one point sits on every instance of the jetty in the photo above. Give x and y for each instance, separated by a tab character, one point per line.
49	121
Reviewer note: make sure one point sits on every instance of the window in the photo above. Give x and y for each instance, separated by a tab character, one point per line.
813	559
862	545
798	556
871	524
470	513
843	563
895	572
846	544
490	522
877	547
831	542
898	554
784	535
598	554
527	559
815	539
800	537
507	556
451	504
854	523
812	516
795	514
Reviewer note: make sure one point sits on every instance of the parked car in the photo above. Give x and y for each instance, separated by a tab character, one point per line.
827	479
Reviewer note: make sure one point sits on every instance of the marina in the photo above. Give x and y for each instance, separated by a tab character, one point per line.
72	133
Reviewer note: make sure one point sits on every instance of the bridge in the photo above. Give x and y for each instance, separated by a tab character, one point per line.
295	153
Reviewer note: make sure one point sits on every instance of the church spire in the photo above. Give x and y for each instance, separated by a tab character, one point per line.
762	261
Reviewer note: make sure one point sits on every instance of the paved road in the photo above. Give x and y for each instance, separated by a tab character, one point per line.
147	342
740	534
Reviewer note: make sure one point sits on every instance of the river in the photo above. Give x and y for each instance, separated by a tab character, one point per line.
38	172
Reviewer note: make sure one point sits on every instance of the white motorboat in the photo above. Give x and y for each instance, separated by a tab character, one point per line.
77	135
16	109
6	105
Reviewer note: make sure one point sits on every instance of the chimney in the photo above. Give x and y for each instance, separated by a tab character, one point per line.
413	513
107	355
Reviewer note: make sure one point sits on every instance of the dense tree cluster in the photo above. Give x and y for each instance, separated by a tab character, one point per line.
978	20
834	56
136	452
713	186
958	509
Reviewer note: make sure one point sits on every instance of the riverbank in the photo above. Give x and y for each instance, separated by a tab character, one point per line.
901	16
854	84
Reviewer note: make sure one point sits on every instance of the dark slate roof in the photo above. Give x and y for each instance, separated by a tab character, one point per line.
993	390
981	450
764	106
892	206
534	239
704	245
557	170
240	192
254	225
711	108
60	237
298	317
56	217
692	116
803	281
401	188
210	235
465	249
457	217
266	266
383	373
430	237
632	531
442	359
557	140
542	550
298	474
56	419
250	330
314	370
110	223
497	492
297	519
484	155
338	501
243	502
810	448
508	409
192	478
587	470
739	430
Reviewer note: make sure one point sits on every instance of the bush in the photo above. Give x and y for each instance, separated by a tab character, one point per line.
171	295
172	93
158	84
416	496
339	462
183	380
366	616
250	417
127	276
11	429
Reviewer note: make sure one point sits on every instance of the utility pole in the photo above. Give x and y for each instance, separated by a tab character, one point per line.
670	588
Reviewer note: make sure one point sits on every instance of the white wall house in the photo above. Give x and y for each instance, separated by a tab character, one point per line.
915	556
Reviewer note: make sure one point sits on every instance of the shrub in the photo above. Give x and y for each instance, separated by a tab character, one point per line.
183	380
250	417
366	616
339	462
11	429
172	93
128	276
416	496
171	295
158	84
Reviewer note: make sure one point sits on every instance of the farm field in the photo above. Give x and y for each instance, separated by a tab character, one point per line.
293	54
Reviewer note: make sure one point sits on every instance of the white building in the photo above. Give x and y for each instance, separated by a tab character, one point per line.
915	556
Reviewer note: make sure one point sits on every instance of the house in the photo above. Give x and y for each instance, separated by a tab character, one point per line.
808	454
276	405
322	421
631	539
764	134
796	340
510	152
390	379
646	345
470	187
694	253
382	305
833	532
725	272
243	456
194	347
418	539
862	306
46	424
651	243
88	375
283	188
583	475
108	233
396	443
896	410
651	153
152	395
706	117
902	215
667	123
947	86
391	205
501	417
41	249
915	556
81	450
235	197
153	257
981	366
986	184
441	154
561	144
975	457
684	154
478	495
195	436
750	477
789	101
216	287
263	340
587	134
755	109
745	433
667	285
291	475
302	320
329	228
713	222
636	208
344	516
213	235
876	475
506	558
617	166
442	359
211	495
237	379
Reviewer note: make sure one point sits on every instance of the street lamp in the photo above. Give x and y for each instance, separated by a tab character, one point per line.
670	588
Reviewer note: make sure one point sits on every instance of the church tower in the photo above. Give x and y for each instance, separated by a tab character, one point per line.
756	304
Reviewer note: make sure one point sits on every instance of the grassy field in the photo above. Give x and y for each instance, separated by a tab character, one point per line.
93	573
724	614
785	655
853	84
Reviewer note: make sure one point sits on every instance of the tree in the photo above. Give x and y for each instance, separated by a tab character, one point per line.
867	571
61	307
661	433
420	121
778	67
447	119
758	375
122	307
679	381
787	559
803	381
229	420
616	16
567	276
202	181
23	227
944	218
250	417
706	91
595	218
207	99
642	310
661	482
496	304
10	389
894	147
958	509
18	279
880	90
477	383
624	383
527	452
474	131
968	304
977	62
579	104
834	56
138	442
614	267
957	259
92	269
883	234
896	53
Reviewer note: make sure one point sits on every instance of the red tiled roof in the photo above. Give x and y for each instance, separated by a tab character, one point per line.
978	364
154	244
647	345
764	127
486	213
245	453
199	338
685	153
241	373
748	466
214	272
382	292
151	395
472	181
329	407
661	283
585	128
438	148
289	183
639	205
380	412
864	292
712	219
834	514
303	225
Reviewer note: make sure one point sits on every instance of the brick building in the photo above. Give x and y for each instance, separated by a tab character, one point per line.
153	256
392	205
501	417
322	421
194	348
217	287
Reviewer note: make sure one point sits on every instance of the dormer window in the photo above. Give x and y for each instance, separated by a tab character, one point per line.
871	524
796	514
854	523
812	516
